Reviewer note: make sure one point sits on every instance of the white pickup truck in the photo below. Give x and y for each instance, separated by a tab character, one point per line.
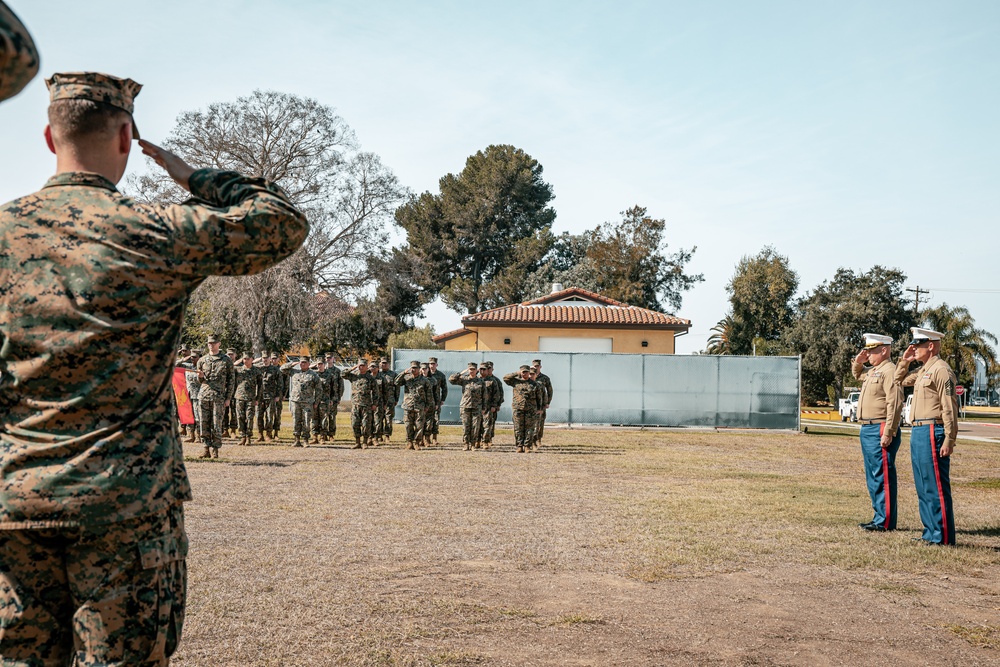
849	407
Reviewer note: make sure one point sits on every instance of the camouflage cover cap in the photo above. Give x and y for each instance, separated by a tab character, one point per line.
231	350
425	365
414	364
525	367
484	365
18	55
196	351
472	364
96	87
383	360
213	339
274	355
432	360
248	355
536	362
304	357
489	364
362	362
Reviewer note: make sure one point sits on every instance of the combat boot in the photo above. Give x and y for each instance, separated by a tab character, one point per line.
261	438
215	452
435	439
207	454
225	433
520	450
190	437
184	430
315	440
357	443
468	447
298	442
409	444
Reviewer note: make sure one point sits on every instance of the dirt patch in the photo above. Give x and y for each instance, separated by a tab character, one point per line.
606	548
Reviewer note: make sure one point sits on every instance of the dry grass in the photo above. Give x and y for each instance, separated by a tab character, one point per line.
608	547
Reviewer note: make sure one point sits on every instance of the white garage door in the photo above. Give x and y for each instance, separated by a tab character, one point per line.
556	344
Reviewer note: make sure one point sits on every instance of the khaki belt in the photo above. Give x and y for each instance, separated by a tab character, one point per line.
917	422
868	422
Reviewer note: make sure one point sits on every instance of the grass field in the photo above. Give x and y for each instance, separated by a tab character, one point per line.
608	547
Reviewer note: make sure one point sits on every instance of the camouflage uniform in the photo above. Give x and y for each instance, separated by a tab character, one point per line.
230	422
303	385
272	387
193	383
18	56
247	395
472	404
216	372
390	397
440	382
324	404
364	398
336	393
546	383
378	428
417	397
494	399
432	410
525	403
93	288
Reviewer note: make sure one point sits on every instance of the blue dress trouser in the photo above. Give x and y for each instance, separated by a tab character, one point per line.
880	473
931	475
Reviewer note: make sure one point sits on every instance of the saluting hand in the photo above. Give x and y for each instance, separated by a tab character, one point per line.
175	166
910	354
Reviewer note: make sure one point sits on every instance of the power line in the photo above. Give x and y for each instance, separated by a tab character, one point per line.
956	289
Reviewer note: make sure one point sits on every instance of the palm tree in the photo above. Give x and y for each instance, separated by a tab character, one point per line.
721	342
963	343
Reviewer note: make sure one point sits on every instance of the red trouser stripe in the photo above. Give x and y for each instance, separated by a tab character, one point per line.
937	478
885	477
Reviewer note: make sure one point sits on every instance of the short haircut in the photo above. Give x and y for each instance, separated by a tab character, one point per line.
79	120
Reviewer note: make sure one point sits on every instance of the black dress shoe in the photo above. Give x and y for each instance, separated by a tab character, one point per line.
864	525
875	527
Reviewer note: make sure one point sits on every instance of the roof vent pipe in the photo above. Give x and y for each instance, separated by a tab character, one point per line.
557	287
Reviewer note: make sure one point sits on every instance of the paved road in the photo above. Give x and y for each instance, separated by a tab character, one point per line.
982	431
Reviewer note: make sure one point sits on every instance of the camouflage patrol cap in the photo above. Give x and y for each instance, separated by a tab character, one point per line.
197	351
414	364
472	364
274	355
304	357
489	364
362	362
525	367
231	350
484	365
18	55
425	365
383	360
432	360
212	338
248	355
96	87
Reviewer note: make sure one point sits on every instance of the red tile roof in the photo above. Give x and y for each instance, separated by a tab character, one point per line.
575	307
448	335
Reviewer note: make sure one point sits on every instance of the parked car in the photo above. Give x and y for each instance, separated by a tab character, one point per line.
979	401
906	410
849	407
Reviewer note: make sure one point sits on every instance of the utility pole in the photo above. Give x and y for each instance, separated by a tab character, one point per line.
916	302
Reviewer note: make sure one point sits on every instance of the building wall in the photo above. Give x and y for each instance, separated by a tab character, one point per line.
525	339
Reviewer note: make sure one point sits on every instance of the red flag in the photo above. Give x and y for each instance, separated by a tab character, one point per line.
184	408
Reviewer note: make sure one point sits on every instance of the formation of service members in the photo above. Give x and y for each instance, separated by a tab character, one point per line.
932	436
92	541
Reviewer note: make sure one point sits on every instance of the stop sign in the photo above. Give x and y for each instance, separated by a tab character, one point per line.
959	390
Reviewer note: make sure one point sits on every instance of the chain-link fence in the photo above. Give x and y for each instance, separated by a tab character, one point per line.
642	389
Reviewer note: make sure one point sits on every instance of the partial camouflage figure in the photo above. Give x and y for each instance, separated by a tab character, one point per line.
390	397
272	390
247	395
93	288
18	56
417	398
526	404
303	387
431	410
544	380
441	395
379	402
364	402
324	403
472	404
216	372
230	423
494	399
336	394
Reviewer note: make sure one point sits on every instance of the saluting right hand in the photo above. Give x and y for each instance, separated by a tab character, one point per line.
175	166
910	354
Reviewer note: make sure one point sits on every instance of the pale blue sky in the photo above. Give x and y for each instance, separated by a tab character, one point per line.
843	133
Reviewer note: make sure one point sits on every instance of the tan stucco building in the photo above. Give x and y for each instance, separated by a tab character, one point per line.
568	320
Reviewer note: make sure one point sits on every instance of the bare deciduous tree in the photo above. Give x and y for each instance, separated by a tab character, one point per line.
311	152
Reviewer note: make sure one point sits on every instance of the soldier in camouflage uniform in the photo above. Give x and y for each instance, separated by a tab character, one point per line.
379	397
324	402
546	382
93	287
247	395
18	56
336	393
472	404
390	397
230	423
216	372
494	399
526	403
193	384
417	397
303	385
272	387
441	395
432	408
364	402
